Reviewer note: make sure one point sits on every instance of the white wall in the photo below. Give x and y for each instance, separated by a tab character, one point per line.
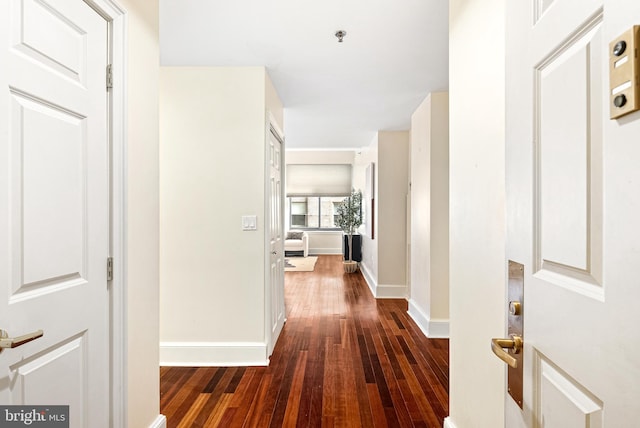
325	242
142	376
477	225
212	159
429	302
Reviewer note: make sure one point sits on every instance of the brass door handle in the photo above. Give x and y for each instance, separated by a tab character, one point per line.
498	347
14	342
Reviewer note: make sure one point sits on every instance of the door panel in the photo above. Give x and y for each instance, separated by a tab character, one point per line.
54	207
35	22
37	380
561	402
568	175
49	178
573	191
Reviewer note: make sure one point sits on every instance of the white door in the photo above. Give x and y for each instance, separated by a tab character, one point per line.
54	207
275	292
573	209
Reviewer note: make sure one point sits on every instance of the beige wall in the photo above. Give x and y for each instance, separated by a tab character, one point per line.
392	188
440	206
477	225
429	301
369	264
384	258
212	169
142	384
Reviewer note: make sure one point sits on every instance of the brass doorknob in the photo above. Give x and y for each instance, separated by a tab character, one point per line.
14	342
498	347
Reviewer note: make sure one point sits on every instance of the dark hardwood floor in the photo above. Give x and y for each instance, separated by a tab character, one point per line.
344	359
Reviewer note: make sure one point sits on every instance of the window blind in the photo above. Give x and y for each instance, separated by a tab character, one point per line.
318	179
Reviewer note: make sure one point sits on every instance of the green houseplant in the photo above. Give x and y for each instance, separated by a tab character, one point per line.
349	219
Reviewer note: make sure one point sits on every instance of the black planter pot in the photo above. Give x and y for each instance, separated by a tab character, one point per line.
356	255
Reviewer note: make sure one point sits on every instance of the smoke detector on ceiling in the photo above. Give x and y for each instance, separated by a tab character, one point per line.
340	35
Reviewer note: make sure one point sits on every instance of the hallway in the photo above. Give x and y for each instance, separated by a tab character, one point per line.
343	360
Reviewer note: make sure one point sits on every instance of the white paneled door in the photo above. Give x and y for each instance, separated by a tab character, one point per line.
573	204
54	207
275	290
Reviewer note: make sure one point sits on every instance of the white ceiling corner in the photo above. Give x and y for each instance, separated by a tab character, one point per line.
336	95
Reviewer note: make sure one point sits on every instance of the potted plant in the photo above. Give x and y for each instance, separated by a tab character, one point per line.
349	219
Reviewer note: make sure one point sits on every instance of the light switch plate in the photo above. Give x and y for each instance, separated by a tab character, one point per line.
249	222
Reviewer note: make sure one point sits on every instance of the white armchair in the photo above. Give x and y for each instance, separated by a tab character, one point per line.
298	241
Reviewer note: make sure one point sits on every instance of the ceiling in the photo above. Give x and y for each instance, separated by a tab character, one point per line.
336	95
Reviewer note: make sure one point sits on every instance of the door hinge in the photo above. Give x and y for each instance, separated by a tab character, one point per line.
110	269
109	76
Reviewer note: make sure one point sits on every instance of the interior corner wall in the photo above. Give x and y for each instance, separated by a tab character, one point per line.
142	198
384	259
477	217
429	300
369	264
391	192
212	172
273	103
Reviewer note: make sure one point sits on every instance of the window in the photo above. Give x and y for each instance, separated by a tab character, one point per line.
314	212
335	212
298	209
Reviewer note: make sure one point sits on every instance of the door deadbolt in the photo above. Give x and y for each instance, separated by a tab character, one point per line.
515	308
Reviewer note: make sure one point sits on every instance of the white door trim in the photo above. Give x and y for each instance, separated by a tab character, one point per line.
117	18
271	123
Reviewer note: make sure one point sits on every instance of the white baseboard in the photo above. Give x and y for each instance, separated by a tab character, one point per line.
432	328
382	291
368	278
322	251
160	422
448	423
213	354
390	291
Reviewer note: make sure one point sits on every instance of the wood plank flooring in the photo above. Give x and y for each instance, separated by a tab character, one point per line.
344	359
